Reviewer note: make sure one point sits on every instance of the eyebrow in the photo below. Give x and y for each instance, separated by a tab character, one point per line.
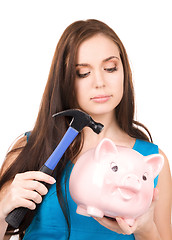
109	58
82	65
105	60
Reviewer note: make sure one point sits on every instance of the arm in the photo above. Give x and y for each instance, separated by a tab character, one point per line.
7	162
3	228
164	204
11	157
25	190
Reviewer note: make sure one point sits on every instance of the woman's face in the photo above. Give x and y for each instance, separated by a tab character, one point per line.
99	75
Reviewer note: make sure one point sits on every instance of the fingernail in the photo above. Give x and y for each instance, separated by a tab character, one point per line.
52	180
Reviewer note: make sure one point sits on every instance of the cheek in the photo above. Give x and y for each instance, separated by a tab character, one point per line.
79	92
118	86
118	78
121	83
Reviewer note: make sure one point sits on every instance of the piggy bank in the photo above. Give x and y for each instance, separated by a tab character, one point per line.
113	181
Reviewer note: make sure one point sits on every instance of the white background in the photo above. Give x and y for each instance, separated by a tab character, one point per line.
30	30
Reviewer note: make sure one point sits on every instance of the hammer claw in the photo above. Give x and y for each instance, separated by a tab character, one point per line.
81	120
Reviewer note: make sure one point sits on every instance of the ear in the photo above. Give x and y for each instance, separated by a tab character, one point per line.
155	163
106	146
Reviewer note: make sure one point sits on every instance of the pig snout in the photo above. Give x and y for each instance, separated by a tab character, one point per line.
132	182
130	187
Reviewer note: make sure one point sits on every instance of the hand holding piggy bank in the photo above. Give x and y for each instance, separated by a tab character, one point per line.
113	181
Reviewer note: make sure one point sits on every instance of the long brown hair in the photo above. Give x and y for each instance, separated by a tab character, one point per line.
59	95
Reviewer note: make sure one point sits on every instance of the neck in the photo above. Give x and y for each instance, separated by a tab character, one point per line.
110	124
111	130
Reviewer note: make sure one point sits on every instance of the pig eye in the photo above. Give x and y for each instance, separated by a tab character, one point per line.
114	167
144	177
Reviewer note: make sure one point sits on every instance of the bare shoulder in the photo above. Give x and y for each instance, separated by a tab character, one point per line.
165	173
165	180
13	153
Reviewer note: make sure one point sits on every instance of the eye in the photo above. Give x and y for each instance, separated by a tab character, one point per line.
145	176
82	75
114	167
110	70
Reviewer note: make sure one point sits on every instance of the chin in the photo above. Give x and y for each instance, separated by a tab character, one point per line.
100	111
97	108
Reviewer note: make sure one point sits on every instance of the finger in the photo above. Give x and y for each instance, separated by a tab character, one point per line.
35	185
36	175
23	199
110	224
26	204
32	195
125	227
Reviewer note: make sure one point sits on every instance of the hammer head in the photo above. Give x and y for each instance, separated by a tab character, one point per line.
81	120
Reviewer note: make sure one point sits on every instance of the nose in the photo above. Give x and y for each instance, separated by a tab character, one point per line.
99	81
132	182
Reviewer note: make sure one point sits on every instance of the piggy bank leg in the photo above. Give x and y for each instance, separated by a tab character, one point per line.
95	212
82	211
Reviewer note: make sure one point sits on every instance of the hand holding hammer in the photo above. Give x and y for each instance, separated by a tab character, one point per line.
79	121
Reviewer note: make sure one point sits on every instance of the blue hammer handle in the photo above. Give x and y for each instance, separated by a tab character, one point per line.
55	157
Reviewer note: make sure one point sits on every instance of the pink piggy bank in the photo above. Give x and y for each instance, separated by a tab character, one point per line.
113	181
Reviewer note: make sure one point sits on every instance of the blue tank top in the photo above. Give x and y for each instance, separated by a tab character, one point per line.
49	222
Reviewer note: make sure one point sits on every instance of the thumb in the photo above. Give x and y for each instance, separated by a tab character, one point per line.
125	227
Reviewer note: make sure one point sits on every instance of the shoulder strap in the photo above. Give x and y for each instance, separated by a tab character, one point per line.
28	135
145	148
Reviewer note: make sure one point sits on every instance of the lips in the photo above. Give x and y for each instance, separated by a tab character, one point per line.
101	98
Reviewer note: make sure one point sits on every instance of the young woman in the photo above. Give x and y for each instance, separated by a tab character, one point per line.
90	71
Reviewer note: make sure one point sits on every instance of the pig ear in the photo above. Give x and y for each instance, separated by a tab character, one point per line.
155	162
106	146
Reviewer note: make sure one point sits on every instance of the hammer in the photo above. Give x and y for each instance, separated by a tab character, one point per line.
79	121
